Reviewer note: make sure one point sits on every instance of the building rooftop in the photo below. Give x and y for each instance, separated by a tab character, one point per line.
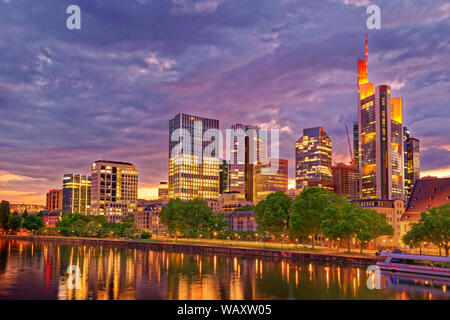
240	213
428	193
115	162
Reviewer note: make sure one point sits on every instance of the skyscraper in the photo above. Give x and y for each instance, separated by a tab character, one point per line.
380	139
248	146
345	180
54	200
114	189
224	179
264	184
76	194
193	172
313	159
411	149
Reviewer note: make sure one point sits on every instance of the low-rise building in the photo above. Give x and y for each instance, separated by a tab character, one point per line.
241	220
231	201
51	218
147	217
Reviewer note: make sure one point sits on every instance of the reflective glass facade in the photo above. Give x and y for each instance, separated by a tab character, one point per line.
76	194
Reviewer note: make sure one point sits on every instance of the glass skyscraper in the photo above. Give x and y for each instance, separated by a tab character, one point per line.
193	172
76	194
380	139
313	159
412	161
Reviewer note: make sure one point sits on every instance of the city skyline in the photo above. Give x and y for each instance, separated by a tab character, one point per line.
62	111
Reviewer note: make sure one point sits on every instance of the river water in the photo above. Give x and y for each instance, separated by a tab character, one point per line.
40	271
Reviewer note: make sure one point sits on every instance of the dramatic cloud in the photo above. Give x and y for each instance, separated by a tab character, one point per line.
107	91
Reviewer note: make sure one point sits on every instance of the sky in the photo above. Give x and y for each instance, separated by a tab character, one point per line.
107	91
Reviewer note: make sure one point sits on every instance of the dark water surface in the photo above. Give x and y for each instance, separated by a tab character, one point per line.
39	271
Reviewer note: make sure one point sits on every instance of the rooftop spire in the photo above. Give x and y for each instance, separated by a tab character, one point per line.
367	49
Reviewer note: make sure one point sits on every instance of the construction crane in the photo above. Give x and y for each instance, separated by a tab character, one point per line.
349	145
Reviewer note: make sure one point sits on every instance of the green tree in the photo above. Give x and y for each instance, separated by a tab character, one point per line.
415	237
373	225
190	218
342	223
433	226
5	212
25	214
272	214
309	209
14	222
33	222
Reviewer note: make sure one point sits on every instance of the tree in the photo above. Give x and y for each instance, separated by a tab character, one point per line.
373	225
14	222
342	223
5	212
33	222
190	218
25	214
272	213
309	209
433	226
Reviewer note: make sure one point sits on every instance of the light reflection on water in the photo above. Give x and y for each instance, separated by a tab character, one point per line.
38	271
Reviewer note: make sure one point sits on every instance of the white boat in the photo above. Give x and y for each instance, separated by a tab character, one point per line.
415	263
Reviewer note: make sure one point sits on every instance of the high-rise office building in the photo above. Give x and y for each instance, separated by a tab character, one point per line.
380	139
224	176
263	184
248	146
411	149
313	159
114	189
345	180
54	200
193	170
76	193
163	190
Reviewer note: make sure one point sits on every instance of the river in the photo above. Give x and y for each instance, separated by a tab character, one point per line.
40	271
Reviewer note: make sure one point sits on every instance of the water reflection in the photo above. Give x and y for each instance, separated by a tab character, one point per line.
38	271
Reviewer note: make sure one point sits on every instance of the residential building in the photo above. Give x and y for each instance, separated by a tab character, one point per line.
193	173
380	139
51	218
345	180
427	193
114	189
76	194
54	200
313	159
241	220
147	217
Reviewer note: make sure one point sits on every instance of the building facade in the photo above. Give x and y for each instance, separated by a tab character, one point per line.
411	149
163	190
345	180
313	159
54	200
248	146
114	189
224	177
193	172
380	139
76	194
241	220
147	217
264	183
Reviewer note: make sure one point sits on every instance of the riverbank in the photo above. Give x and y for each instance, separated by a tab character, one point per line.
207	249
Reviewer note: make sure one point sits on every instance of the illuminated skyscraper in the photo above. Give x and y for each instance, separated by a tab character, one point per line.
114	189
224	173
248	146
412	161
193	170
264	184
345	180
380	139
313	159
76	194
